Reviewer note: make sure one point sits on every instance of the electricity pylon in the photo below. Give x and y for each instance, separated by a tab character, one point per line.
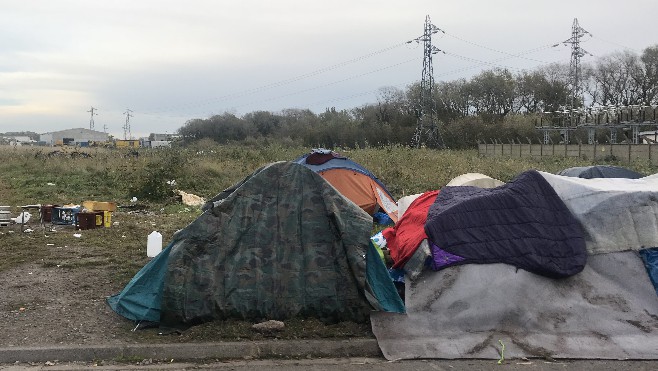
91	120
126	126
577	52
427	130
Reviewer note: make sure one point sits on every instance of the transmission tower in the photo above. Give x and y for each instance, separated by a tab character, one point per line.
577	52
427	130
91	120
126	126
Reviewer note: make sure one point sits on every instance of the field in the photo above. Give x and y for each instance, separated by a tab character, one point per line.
54	283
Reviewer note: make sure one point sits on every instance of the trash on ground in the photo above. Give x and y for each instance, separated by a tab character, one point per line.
22	218
269	326
190	199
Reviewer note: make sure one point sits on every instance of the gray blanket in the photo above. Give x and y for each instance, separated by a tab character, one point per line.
609	310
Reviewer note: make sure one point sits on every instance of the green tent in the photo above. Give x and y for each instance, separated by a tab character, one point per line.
282	243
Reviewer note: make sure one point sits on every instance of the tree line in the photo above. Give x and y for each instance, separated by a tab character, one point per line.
493	104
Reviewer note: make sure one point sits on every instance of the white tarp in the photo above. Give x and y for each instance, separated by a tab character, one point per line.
404	202
616	214
608	311
475	180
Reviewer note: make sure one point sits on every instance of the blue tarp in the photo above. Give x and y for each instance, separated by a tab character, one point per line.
650	258
600	171
140	299
380	282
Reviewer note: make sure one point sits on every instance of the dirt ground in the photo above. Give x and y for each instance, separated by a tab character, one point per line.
52	306
56	296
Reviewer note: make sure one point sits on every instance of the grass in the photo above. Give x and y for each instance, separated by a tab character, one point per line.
32	176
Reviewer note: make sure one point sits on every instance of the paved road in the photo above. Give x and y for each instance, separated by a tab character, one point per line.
348	364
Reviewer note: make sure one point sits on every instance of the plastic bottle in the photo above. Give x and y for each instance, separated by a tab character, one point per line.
154	244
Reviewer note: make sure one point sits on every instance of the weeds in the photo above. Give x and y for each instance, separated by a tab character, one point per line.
113	255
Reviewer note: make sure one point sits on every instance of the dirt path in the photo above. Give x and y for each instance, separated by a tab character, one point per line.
51	306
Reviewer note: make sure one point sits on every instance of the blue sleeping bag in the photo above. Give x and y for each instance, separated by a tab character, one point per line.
523	223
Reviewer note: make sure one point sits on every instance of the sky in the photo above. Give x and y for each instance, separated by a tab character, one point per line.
172	61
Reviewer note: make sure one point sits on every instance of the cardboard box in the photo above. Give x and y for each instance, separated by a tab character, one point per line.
100	206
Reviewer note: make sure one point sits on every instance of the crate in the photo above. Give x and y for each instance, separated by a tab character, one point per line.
65	215
107	219
47	213
88	219
99	206
5	216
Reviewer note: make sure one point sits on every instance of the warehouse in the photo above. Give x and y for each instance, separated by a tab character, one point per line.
73	137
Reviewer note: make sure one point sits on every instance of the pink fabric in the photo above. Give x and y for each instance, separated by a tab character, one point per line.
403	239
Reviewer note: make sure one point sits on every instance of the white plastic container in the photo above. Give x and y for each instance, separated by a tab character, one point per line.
154	244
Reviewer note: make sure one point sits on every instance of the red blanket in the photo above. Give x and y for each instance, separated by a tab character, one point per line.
403	239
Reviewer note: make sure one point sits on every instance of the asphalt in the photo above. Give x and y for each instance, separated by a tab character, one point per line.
280	349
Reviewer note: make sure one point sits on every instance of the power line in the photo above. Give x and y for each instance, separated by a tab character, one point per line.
319	71
402	85
614	43
481	62
352	77
332	83
281	82
400	63
496	50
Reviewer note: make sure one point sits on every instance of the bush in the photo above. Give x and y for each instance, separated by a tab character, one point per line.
151	181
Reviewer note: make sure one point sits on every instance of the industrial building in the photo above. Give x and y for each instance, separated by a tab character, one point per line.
73	137
155	140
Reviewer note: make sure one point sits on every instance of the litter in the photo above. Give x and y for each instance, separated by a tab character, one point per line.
190	199
22	218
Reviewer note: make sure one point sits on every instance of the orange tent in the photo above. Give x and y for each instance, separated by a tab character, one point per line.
352	180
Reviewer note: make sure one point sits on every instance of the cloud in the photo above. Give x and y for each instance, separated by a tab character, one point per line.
172	60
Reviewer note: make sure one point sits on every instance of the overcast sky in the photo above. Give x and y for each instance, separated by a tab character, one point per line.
171	61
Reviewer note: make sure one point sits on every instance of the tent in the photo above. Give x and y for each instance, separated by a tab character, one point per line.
607	310
600	171
282	243
352	180
468	179
475	180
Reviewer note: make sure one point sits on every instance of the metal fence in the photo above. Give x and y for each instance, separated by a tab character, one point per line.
621	152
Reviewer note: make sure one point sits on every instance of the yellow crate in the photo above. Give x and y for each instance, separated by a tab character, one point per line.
107	219
99	206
